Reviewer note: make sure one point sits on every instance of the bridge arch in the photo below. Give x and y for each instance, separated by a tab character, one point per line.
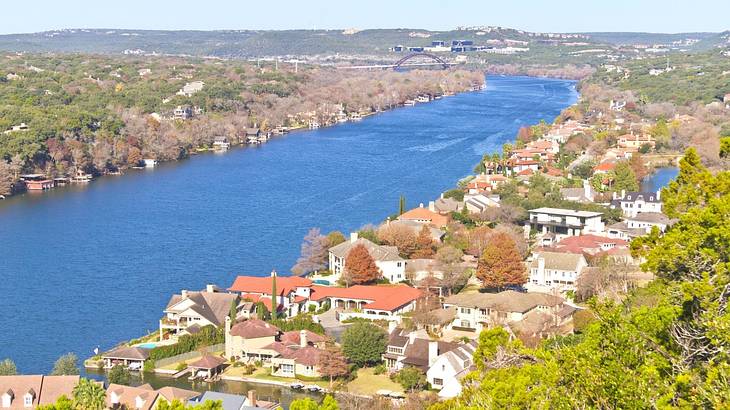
435	58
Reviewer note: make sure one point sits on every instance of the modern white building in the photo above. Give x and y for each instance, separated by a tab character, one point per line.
564	222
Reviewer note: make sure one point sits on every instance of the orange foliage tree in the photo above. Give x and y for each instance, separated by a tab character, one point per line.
501	264
360	267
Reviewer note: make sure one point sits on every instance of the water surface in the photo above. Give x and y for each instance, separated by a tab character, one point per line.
91	266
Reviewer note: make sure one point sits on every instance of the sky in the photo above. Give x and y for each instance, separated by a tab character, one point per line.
666	16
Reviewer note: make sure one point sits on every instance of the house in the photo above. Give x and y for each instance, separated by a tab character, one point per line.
387	258
436	234
412	348
446	372
139	398
206	368
447	205
292	291
190	310
170	393
31	391
191	88
131	357
425	216
36	182
564	222
234	401
250	339
382	302
22	127
477	204
485	183
589	244
221	143
297	361
632	203
621	230
582	195
648	220
302	338
604	167
182	112
635	141
556	270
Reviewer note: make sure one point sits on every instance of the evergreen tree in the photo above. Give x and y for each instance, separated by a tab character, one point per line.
363	343
274	297
624	177
360	267
66	365
401	205
7	368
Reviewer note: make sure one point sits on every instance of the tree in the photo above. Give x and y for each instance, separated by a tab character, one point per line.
360	267
624	177
333	364
274	297
176	404
335	238
401	205
62	403
479	238
328	403
424	244
233	310
7	368
501	264
119	375
66	365
691	187
262	312
363	343
400	236
411	378
636	162
89	395
314	253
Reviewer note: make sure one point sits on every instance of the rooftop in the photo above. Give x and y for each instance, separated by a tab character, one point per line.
385	297
262	284
254	328
378	252
565	212
507	301
558	260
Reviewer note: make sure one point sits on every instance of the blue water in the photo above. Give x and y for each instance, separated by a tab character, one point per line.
659	179
91	266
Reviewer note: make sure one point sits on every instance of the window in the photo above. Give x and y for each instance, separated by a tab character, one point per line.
438	382
465	310
28	400
465	323
399	264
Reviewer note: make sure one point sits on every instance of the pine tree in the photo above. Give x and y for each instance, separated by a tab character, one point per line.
274	298
360	267
501	264
624	177
401	205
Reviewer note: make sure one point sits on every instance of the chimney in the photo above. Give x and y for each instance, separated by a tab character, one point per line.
353	237
420	205
252	398
540	266
442	195
412	337
623	193
184	293
302	338
433	352
432	206
391	326
587	189
614	195
228	324
659	195
273	273
210	288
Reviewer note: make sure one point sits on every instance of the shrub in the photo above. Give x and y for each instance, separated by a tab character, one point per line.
119	375
208	335
181	366
300	322
379	369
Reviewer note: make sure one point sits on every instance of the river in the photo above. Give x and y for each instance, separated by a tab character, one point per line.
90	266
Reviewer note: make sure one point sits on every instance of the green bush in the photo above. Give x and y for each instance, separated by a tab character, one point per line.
181	366
207	336
379	369
300	322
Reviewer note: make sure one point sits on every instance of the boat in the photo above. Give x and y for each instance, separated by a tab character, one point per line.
149	163
81	177
313	125
313	388
423	99
396	395
296	386
409	103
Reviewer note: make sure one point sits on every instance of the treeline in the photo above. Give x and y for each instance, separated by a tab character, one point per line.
96	113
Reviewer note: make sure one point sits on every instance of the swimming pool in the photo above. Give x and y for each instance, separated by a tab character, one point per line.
147	345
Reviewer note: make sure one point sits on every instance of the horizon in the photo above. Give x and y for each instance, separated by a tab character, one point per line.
567	16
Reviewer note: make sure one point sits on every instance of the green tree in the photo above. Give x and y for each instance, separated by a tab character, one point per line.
62	403
335	238
262	312
89	395
624	177
411	378
178	405
401	205
7	368
363	343
66	365
274	297
328	403
233	311
119	375
691	187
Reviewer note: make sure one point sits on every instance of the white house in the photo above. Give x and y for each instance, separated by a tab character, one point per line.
556	270
632	203
564	222
480	203
198	309
387	258
447	370
648	220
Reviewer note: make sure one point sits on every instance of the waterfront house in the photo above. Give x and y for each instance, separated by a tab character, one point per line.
206	368
220	143
632	203
138	398
425	216
292	291
484	184
250	339
564	222
130	357
190	310
387	258
384	302
228	401
446	206
556	270
447	370
412	348
31	391
436	234
478	311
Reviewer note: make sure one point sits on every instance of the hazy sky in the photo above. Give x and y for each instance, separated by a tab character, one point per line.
534	15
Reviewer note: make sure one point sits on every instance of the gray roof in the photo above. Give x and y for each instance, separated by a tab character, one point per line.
230	401
638	196
652	217
378	252
126	352
623	227
507	301
214	306
558	260
448	205
415	226
577	193
444	315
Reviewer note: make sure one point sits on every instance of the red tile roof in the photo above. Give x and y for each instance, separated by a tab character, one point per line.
293	337
591	241
384	297
424	214
256	284
605	166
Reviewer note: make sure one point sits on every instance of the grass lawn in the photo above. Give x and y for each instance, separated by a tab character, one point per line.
264	374
369	383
